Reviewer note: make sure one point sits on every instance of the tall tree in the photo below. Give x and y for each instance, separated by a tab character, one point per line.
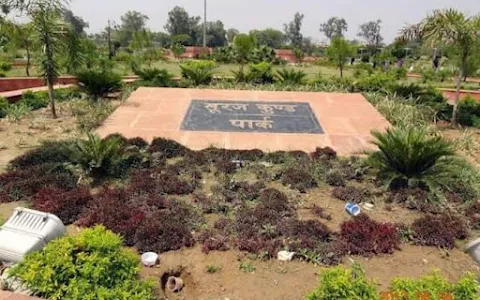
371	33
293	30
76	22
269	37
334	27
339	51
216	34
30	6
453	28
49	30
131	22
180	23
231	33
20	36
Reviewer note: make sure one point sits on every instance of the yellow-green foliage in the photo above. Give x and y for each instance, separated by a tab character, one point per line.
437	287
91	265
341	284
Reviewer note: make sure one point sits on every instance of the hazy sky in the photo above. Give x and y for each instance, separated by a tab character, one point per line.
248	14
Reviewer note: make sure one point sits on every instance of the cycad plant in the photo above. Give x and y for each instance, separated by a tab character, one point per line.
291	76
198	72
155	77
411	157
98	157
98	83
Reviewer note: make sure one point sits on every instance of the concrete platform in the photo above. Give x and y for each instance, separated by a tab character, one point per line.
345	120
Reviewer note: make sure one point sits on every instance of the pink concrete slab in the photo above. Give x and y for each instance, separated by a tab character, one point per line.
347	120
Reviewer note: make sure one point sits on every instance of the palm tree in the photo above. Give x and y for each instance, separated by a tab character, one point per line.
449	27
243	45
49	31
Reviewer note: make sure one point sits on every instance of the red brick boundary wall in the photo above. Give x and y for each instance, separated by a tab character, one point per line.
22	83
450	94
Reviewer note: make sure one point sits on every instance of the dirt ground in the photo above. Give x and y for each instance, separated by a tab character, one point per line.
271	279
18	138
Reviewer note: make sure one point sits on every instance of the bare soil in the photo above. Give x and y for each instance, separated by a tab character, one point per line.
271	279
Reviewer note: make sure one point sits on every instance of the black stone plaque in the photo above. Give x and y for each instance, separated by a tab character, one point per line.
251	116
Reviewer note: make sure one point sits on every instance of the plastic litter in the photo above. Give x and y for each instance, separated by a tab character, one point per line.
174	284
368	206
238	163
285	255
149	259
352	208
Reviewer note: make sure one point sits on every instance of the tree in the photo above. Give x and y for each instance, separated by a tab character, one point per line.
293	30
453	28
30	5
20	36
76	22
243	45
231	33
216	34
132	21
339	51
269	37
370	32
162	39
49	30
177	50
180	23
334	27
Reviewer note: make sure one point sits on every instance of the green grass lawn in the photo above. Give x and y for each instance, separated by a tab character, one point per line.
225	70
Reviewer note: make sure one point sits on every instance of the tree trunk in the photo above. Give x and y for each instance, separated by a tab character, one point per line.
457	98
52	97
27	67
341	71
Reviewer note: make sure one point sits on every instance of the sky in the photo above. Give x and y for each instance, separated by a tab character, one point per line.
245	15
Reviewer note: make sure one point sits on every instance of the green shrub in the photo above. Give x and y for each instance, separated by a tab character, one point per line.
469	112
5	64
96	156
98	84
263	54
3	107
435	287
291	76
224	54
260	73
375	83
362	68
399	73
34	100
198	72
410	157
339	283
91	265
17	111
155	77
427	75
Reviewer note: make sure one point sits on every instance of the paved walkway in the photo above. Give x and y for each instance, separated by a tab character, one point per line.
4	295
346	120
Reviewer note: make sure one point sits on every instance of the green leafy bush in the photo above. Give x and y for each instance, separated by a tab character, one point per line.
260	73
98	83
17	111
91	265
375	83
198	72
96	156
224	54
3	107
399	73
5	64
291	76
435	287
263	53
410	157
339	283
155	77
469	112
34	100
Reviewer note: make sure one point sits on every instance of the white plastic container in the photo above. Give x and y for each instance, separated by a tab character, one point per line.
27	231
473	249
149	259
